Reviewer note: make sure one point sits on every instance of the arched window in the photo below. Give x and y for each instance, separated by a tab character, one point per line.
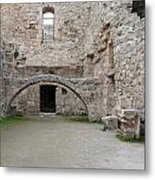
48	23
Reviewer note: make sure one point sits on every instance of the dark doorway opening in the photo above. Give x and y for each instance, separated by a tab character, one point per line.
47	98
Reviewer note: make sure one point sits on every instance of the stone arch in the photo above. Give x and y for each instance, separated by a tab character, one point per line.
57	80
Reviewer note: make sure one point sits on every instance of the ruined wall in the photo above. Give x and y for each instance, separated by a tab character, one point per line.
24	28
99	40
117	48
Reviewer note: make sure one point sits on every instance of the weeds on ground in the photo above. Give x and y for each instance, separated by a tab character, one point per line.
10	120
131	139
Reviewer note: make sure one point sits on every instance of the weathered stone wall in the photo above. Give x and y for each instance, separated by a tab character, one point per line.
117	46
3	82
102	41
25	30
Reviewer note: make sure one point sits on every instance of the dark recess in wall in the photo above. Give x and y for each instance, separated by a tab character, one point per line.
139	7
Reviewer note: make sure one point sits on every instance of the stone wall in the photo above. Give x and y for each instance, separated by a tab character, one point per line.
98	41
3	81
124	32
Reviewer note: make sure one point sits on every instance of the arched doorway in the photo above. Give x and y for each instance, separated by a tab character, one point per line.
48	85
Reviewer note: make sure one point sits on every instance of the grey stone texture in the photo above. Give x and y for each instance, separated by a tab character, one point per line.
96	54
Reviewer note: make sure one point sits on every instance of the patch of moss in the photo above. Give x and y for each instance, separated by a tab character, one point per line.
131	139
10	120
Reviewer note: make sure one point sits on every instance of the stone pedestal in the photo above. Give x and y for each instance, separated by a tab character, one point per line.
129	122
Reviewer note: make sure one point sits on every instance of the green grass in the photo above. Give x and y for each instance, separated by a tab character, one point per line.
10	120
130	139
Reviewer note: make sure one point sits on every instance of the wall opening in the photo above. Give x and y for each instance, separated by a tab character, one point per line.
48	24
48	98
138	6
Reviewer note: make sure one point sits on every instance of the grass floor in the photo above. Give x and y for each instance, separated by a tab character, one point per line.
10	120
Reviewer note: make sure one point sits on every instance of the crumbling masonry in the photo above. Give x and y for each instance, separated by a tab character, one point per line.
95	59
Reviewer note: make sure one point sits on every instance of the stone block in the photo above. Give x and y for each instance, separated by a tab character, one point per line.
129	113
110	122
129	122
